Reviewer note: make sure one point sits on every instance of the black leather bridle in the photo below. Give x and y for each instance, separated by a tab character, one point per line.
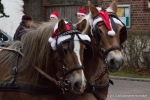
96	32
61	51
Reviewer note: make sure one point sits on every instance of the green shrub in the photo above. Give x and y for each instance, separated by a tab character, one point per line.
137	43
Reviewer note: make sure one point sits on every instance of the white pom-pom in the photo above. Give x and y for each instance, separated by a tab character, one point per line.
111	33
50	40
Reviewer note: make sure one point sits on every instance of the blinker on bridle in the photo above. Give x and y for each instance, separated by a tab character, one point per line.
56	40
61	51
64	84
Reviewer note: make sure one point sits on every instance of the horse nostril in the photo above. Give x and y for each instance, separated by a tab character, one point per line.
116	62
77	85
112	62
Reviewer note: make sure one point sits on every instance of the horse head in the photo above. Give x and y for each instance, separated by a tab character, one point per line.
108	33
69	47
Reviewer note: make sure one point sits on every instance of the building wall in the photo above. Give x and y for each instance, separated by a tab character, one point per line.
35	9
140	13
67	9
40	10
68	13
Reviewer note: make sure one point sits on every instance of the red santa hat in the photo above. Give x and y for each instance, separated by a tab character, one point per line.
52	39
103	16
54	14
56	29
81	11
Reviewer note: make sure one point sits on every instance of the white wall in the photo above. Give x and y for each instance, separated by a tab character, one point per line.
13	8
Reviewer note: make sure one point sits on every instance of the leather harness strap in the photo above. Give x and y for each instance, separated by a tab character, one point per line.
39	70
14	86
21	87
9	49
46	75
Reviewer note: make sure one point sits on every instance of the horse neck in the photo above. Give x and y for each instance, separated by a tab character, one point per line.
32	76
94	66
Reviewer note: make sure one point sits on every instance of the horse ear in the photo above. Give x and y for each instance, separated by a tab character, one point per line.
81	25
93	9
61	26
112	7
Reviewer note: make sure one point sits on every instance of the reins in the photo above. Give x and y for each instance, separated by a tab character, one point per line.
46	75
38	69
15	86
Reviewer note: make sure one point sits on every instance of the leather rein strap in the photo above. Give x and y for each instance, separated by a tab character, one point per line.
65	95
46	75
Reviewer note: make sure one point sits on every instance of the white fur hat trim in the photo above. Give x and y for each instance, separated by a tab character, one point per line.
52	15
81	14
111	32
100	19
52	41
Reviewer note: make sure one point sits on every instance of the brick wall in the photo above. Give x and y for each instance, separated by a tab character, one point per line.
140	13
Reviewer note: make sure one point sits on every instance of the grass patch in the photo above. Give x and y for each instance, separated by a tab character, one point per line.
133	73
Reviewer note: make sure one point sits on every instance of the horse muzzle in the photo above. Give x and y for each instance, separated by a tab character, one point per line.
78	81
115	61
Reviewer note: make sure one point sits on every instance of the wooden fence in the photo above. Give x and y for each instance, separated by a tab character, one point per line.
40	10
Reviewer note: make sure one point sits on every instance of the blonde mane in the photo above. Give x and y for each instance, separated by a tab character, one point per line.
37	52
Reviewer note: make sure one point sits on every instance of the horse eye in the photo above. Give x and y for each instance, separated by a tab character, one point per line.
98	25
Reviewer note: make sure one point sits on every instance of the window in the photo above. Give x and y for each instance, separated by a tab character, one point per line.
124	13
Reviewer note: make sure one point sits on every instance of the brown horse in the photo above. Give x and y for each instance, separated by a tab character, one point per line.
28	76
106	47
